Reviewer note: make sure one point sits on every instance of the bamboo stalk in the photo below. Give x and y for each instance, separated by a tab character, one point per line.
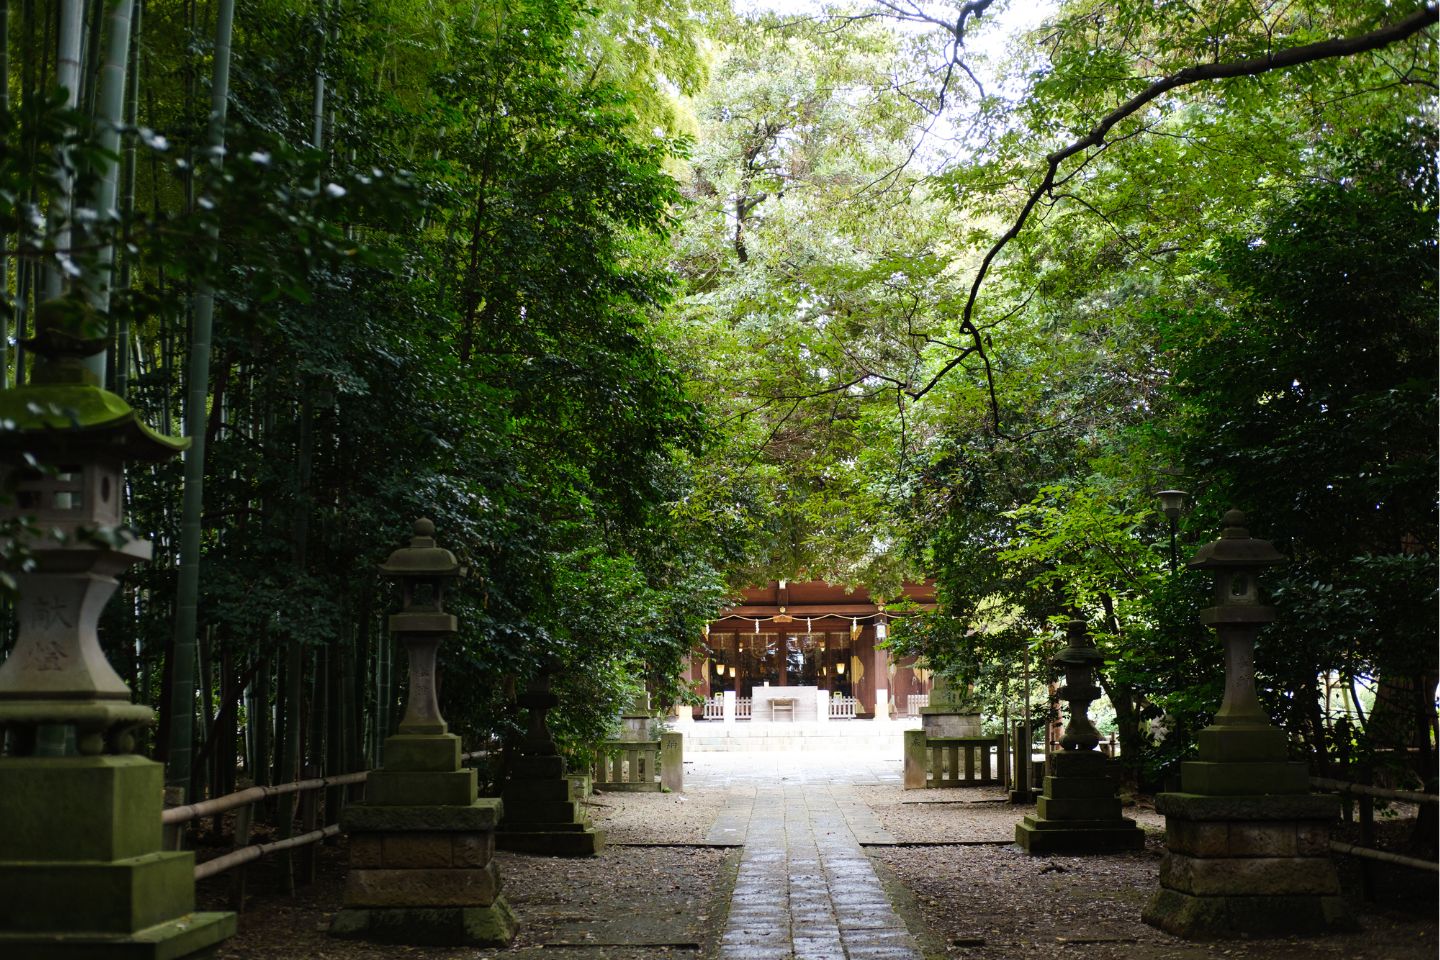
197	389
1365	790
67	77
1365	853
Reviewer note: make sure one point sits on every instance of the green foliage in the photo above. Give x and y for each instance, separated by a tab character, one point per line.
445	307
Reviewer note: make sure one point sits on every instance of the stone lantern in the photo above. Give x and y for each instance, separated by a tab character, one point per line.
1247	843
1079	810
542	812
423	571
1241	730
422	845
81	811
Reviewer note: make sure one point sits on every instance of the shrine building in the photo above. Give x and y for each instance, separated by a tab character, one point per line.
808	651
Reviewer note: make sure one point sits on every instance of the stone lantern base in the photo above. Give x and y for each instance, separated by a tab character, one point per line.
1079	811
82	872
422	850
1247	866
542	814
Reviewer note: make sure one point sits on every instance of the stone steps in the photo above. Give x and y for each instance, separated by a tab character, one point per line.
866	735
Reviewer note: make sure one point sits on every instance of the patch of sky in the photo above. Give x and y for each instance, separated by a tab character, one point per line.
951	137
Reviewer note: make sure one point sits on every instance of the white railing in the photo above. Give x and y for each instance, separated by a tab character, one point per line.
715	707
842	708
742	708
914	702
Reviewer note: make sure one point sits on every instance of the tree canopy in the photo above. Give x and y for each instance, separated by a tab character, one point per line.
644	300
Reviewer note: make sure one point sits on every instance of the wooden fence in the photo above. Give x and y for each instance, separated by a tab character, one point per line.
1365	797
842	708
243	803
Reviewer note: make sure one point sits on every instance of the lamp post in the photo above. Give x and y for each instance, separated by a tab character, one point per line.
1172	504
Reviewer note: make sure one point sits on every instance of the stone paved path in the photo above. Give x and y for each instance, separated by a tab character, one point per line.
805	890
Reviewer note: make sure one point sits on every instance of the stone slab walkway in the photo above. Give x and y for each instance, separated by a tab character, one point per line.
805	890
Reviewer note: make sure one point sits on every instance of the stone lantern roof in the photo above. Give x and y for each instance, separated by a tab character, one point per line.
1236	548
1080	649
422	558
63	414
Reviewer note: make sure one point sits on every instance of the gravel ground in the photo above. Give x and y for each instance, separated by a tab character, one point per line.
567	907
656	817
978	814
992	902
986	901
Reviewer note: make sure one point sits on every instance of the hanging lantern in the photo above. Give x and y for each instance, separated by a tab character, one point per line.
840	669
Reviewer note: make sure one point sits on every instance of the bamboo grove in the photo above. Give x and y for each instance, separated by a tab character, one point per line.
376	261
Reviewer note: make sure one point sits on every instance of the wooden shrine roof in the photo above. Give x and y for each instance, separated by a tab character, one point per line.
816	598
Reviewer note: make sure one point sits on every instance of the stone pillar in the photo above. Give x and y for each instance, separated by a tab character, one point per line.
727	706
82	869
822	705
917	759
1247	843
672	762
542	813
422	844
952	711
881	666
1079	811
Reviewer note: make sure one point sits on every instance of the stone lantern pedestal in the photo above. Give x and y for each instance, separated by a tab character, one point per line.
542	813
1247	843
951	711
636	718
422	845
1079	811
82	869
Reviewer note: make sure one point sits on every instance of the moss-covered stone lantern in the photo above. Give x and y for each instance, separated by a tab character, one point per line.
1241	729
422	844
542	812
1247	844
81	863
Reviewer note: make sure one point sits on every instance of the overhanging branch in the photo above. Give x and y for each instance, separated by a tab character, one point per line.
1199	73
